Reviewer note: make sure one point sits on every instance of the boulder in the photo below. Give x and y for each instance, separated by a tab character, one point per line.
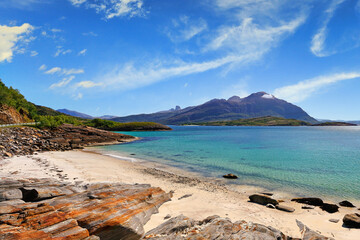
214	227
346	204
310	201
352	220
334	220
56	210
230	176
308	234
285	208
330	208
263	199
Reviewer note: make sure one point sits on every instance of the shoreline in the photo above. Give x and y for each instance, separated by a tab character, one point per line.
194	196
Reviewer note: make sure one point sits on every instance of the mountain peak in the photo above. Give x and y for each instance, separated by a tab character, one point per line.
234	99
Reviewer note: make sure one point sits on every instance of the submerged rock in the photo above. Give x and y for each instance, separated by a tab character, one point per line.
352	220
346	204
263	199
230	176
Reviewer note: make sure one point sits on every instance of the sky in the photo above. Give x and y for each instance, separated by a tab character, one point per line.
122	57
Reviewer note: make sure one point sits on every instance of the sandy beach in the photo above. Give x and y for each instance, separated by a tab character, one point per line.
194	196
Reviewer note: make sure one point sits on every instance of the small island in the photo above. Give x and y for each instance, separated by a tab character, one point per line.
268	121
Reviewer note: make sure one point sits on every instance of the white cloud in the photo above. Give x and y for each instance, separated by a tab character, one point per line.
65	81
9	37
53	70
34	53
92	34
72	71
42	67
304	89
113	8
188	30
62	71
318	40
78	96
88	84
61	51
82	52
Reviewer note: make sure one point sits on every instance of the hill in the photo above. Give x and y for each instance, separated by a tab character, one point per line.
261	121
256	105
75	114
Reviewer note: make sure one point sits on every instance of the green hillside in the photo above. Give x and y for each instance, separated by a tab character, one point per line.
261	121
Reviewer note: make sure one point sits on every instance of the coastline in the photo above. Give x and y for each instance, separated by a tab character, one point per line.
203	197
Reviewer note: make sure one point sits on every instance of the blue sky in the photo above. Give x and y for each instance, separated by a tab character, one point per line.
123	57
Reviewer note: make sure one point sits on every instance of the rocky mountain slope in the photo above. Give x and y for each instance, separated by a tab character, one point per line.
75	113
258	104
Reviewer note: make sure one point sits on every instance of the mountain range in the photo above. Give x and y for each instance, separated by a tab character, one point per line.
258	104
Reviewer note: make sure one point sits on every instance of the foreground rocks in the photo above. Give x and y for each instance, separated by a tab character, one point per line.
352	220
27	140
46	209
328	207
215	227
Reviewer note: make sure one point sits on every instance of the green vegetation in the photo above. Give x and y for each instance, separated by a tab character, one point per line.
260	121
55	121
335	124
133	126
13	98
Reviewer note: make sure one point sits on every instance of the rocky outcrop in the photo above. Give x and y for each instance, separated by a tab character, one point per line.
352	220
9	115
27	140
309	201
52	210
346	204
308	234
215	227
263	199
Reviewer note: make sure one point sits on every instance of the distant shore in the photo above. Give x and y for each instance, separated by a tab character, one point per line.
194	196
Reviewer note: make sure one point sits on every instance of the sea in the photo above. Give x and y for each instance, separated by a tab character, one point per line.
303	161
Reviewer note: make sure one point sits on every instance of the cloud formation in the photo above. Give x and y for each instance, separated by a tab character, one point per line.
304	89
65	81
61	71
318	40
113	8
184	28
9	37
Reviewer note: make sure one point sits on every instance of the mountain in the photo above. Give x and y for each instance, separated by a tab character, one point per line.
258	104
74	113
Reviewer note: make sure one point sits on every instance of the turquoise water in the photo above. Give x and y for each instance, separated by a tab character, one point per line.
319	161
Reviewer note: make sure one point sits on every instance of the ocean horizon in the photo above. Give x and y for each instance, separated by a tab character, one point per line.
303	161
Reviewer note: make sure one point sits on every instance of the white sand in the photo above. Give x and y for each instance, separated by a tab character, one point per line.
206	198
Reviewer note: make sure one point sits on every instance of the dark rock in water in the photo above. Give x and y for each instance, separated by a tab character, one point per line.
308	234
330	208
334	220
118	211
263	199
346	204
230	176
352	220
309	201
214	227
285	208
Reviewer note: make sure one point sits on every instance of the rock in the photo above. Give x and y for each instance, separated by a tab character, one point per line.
307	207
230	176
308	234
263	199
167	216
64	211
346	204
270	206
267	194
10	195
309	201
334	220
285	208
352	220
185	196
330	208
214	227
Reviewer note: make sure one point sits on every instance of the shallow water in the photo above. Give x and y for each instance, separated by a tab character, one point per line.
318	161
